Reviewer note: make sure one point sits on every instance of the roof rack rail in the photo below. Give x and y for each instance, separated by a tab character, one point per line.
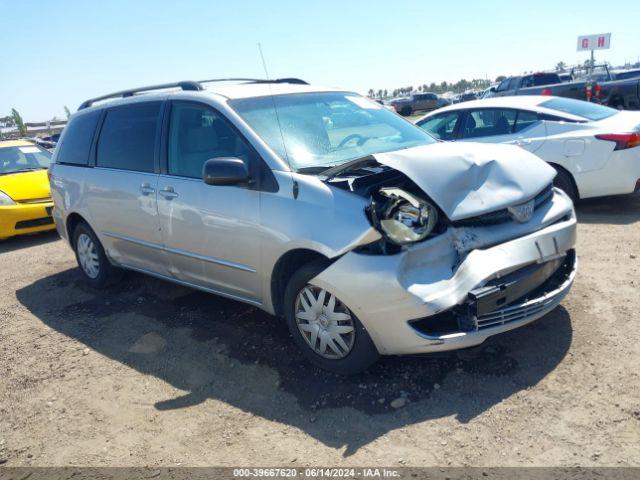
187	85
292	80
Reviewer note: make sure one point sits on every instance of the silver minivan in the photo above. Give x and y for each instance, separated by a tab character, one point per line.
317	205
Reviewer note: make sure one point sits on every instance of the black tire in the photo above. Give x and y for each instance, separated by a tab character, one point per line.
363	352
406	111
107	273
564	182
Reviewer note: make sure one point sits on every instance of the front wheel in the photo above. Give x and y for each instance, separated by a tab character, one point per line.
329	335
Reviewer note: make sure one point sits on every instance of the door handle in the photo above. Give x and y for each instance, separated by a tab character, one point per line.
168	193
522	142
146	189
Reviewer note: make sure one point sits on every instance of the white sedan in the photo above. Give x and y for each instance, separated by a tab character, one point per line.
595	149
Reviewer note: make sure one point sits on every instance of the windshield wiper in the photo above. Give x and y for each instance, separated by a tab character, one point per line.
314	169
361	162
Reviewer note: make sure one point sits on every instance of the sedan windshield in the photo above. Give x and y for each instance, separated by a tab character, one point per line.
322	130
23	158
580	108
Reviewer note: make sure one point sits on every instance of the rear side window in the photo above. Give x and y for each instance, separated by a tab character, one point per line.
524	120
128	136
540	79
77	139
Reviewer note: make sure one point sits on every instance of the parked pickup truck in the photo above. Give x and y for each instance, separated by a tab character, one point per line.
606	88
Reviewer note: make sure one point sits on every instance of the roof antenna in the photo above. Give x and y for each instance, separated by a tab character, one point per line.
264	64
275	109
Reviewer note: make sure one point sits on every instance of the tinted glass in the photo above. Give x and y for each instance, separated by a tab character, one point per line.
313	130
590	111
503	85
524	120
78	135
440	126
540	79
488	122
23	158
513	83
127	137
196	134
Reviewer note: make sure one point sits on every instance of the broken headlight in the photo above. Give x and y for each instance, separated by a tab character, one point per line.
402	217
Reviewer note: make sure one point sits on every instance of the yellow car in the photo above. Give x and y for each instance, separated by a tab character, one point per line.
25	198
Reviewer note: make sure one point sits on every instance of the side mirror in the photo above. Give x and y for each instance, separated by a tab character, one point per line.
492	89
225	171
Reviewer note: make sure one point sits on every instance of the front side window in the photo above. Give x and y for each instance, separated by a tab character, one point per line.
488	122
23	159
441	126
513	83
197	133
313	130
127	138
504	85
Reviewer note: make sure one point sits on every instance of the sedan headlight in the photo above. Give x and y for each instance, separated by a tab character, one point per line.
405	218
5	199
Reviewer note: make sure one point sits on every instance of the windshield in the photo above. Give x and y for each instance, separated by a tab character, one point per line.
23	158
590	111
327	129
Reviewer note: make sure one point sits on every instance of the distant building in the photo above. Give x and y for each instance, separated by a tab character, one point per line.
40	129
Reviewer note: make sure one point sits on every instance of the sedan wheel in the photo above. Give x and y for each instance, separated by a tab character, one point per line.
324	322
88	256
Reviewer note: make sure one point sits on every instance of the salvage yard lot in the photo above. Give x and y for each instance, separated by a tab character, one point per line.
149	373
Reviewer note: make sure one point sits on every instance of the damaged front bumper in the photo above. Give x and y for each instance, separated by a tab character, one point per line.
459	288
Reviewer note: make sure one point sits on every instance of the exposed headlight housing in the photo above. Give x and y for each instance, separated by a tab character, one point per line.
5	199
404	218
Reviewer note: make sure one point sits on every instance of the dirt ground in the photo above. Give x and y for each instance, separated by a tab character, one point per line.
147	373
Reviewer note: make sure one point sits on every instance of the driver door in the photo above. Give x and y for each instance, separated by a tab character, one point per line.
211	233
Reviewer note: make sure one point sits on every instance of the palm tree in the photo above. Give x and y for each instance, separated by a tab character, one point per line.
18	122
560	66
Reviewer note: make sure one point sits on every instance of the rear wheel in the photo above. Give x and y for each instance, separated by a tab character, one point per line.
329	335
406	111
94	265
564	182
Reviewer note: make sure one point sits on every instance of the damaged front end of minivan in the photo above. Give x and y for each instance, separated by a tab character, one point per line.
473	241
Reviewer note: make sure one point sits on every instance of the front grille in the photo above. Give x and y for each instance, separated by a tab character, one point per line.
535	301
38	222
503	216
462	317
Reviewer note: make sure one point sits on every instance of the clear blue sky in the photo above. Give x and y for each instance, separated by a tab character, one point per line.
59	53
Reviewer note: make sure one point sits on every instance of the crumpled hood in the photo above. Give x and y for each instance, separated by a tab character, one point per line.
470	179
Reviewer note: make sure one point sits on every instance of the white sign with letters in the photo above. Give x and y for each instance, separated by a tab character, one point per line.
600	41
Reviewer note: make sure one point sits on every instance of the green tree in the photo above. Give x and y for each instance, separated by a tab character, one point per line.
18	122
67	112
370	94
561	66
